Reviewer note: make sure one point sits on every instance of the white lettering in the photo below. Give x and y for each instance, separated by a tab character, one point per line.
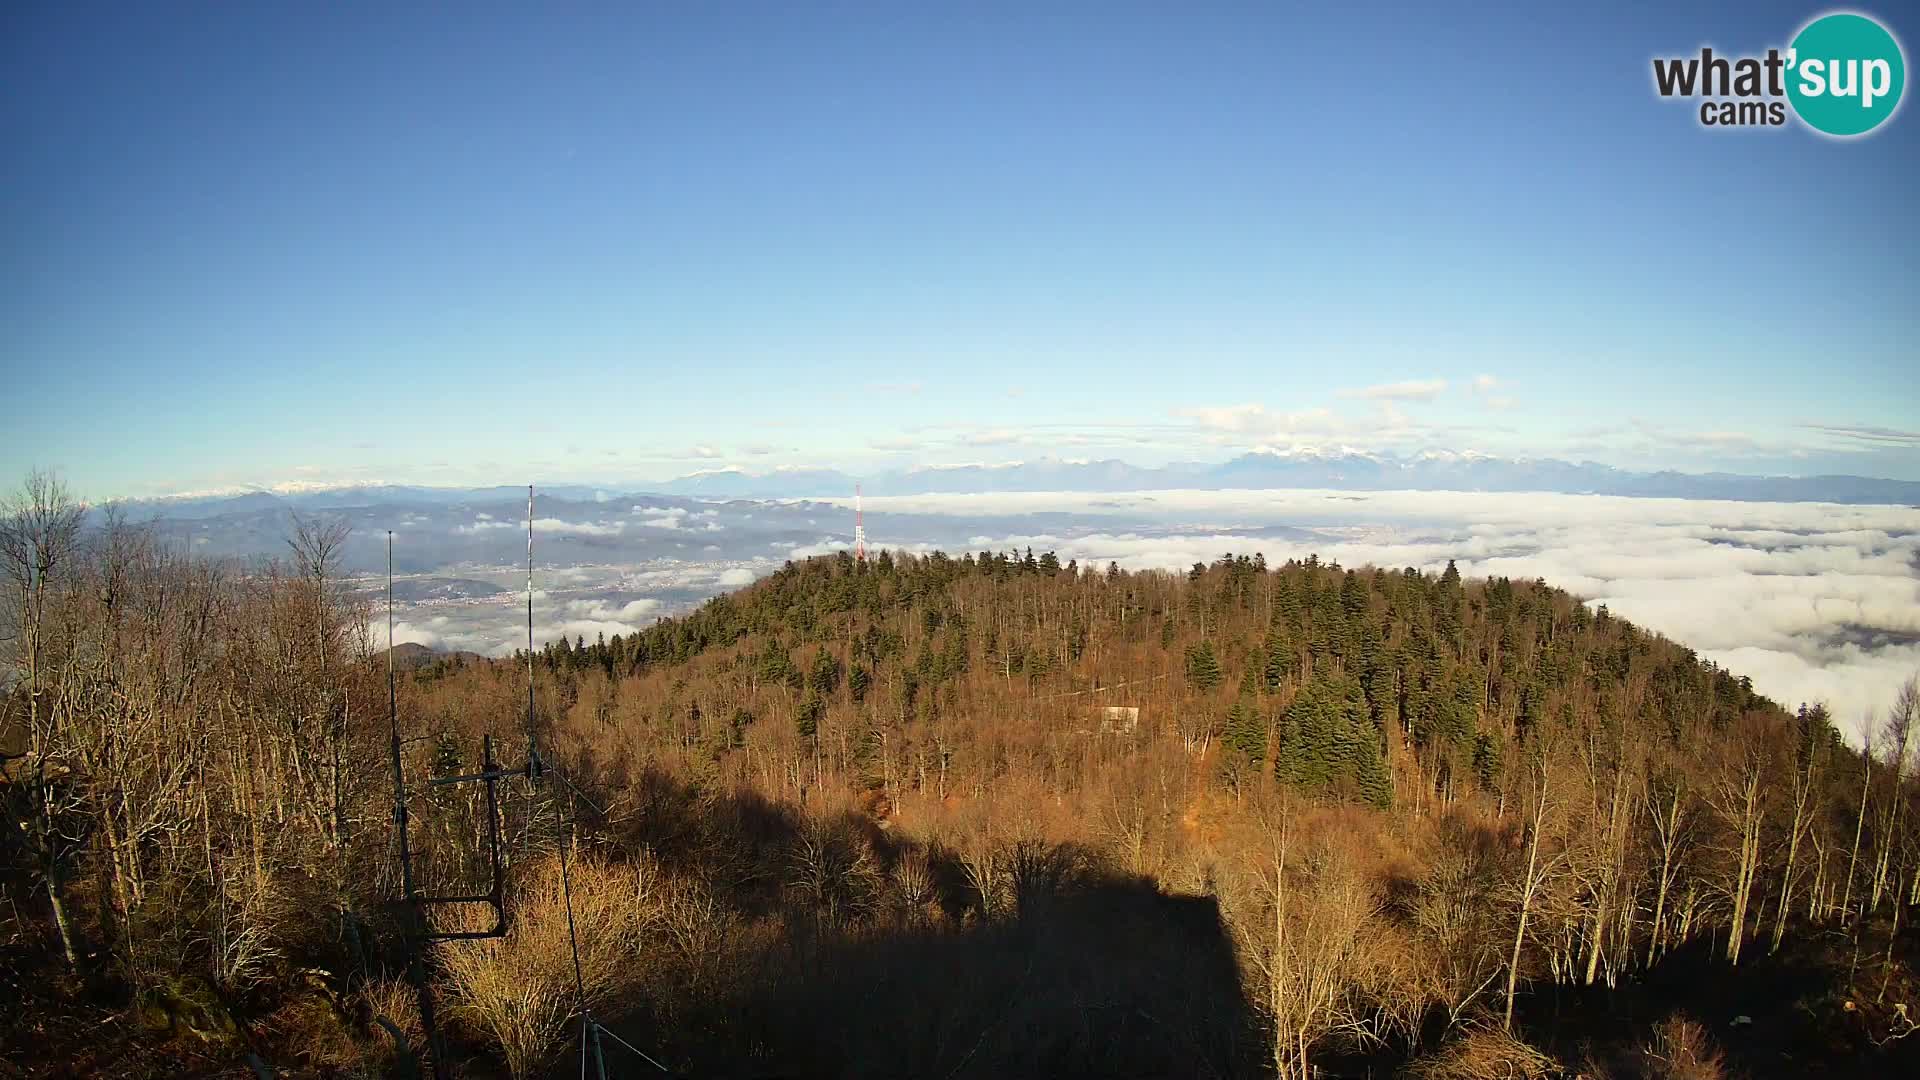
1813	77
1879	79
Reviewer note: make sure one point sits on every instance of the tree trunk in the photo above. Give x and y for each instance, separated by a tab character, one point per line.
1749	860
60	919
1669	839
1803	794
1527	890
1859	822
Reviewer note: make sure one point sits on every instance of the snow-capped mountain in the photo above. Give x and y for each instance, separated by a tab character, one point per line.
1311	467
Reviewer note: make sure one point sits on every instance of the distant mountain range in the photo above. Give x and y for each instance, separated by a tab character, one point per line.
321	497
1342	469
1337	469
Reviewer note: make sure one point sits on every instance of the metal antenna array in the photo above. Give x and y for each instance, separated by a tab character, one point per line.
859	528
420	930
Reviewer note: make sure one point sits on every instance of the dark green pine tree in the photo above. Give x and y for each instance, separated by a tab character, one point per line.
1818	735
857	683
1203	668
807	719
1314	719
774	666
1378	684
1334	744
825	678
1486	761
1246	729
1278	666
1276	650
1370	776
1289	765
1039	663
1350	725
956	656
1289	606
1446	606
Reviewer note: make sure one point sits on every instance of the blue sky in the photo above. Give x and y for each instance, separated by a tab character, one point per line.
372	242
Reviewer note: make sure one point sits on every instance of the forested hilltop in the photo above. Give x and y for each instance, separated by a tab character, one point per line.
986	815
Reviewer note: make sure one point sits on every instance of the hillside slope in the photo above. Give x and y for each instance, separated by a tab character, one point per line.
1446	758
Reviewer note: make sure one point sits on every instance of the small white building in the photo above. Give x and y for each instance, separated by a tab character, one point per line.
1119	719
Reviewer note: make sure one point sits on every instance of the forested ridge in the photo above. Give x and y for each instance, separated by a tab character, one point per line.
984	815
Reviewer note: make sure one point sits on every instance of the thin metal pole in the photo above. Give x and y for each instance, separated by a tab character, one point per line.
493	828
586	1027
573	936
533	749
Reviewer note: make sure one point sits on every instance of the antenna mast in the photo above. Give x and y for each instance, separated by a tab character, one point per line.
533	749
859	528
418	930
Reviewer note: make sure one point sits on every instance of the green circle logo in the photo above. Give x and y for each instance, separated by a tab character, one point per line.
1845	73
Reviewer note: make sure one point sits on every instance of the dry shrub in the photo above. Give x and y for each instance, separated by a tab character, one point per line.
1462	941
913	880
1011	849
311	1027
1681	1049
1324	963
1485	1053
342	1037
831	870
689	930
519	992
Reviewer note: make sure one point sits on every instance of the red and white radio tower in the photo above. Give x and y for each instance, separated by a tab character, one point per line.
859	529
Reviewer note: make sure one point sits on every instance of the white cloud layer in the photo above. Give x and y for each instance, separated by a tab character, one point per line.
1409	390
631	612
557	527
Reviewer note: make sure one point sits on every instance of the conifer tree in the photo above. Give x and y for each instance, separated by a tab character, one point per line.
1203	668
1370	774
1039	663
825	678
1289	766
1246	729
806	719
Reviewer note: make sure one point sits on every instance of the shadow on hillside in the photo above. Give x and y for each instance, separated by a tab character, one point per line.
1813	1009
1088	972
1109	983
